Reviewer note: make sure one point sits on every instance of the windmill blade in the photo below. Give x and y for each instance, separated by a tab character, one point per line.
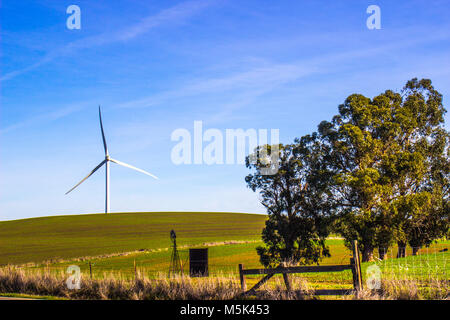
103	133
134	168
90	174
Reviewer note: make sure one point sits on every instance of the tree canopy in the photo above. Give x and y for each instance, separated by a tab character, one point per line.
378	172
296	230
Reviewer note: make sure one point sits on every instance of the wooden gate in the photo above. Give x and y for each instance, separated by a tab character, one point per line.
355	266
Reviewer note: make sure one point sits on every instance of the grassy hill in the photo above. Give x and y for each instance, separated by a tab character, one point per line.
64	237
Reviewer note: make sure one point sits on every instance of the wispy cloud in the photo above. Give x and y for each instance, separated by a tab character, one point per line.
258	80
49	116
176	13
245	85
255	79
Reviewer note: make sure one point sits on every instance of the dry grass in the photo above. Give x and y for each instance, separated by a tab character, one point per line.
301	290
407	289
13	280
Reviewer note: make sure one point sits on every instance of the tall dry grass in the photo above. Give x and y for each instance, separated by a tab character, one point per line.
407	289
14	280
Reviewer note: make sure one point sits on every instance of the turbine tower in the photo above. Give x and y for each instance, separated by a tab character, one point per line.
106	162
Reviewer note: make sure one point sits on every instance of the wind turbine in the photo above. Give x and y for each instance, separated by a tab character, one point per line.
107	160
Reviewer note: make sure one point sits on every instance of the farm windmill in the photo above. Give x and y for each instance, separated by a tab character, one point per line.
175	264
106	162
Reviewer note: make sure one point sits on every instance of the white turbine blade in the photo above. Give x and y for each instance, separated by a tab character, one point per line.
90	174
134	168
103	133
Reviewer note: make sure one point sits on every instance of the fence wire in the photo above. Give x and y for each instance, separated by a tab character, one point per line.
418	264
421	265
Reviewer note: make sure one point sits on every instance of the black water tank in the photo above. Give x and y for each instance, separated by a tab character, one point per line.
198	262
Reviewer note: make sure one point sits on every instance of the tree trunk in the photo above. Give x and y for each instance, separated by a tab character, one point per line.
401	253
415	250
382	253
367	254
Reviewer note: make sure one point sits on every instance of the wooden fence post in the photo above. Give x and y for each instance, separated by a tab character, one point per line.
287	282
355	282
90	270
356	267
241	277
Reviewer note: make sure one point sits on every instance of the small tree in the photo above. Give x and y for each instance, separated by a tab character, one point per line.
294	234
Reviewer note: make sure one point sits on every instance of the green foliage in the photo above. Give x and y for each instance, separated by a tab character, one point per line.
296	229
378	172
388	162
301	243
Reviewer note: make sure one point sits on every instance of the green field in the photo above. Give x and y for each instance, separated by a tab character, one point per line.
65	237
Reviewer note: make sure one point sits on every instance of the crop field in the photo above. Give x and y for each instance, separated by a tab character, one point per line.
65	237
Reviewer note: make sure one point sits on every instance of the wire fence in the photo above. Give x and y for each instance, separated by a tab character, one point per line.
421	265
418	264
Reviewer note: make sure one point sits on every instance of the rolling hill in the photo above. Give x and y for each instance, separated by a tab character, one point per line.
65	237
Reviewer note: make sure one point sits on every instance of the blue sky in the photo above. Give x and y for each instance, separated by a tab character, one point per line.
156	66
